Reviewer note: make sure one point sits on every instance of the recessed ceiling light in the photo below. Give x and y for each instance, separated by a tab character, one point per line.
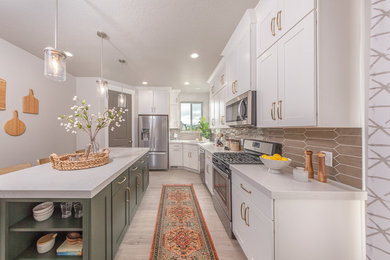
144	83
186	83
68	54
194	55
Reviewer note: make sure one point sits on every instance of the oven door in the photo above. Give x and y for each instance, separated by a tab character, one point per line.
222	191
241	110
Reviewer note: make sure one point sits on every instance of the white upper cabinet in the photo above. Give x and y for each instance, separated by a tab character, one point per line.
276	17
296	104
151	101
286	79
145	102
267	91
174	116
308	72
239	56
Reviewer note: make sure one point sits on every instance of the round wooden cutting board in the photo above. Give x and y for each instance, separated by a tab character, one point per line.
14	126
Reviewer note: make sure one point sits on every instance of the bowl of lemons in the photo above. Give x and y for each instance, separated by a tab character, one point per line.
275	162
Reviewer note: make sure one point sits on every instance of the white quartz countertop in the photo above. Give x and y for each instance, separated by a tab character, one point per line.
208	146
284	186
45	182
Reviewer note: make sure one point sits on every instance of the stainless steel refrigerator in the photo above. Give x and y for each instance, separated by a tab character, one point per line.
153	132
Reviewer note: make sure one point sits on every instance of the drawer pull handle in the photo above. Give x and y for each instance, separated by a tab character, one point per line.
273	26
142	162
242	205
134	169
122	181
247	216
129	197
242	187
280	109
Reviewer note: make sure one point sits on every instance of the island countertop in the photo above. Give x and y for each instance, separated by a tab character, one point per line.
45	182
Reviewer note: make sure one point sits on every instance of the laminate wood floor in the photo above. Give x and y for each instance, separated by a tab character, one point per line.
137	242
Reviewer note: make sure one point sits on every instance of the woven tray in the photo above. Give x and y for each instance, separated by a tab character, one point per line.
64	162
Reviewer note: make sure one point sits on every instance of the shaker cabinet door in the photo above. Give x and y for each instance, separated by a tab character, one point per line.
267	88
297	75
120	216
145	102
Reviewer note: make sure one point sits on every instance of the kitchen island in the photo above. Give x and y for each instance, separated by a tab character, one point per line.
110	196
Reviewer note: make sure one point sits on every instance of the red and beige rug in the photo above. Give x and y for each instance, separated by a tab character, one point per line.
181	231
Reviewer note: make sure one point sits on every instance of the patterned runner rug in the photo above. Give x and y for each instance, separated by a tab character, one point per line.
181	231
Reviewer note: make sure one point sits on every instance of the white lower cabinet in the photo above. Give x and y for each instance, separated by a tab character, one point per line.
175	155
209	171
304	227
191	156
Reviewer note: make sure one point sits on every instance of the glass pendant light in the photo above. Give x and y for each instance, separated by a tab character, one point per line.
102	84
122	96
55	60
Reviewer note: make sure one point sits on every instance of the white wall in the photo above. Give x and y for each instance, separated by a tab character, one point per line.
43	135
86	88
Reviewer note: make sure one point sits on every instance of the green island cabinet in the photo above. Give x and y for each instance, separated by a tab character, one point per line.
106	218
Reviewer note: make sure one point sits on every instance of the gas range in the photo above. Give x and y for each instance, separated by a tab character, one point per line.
222	184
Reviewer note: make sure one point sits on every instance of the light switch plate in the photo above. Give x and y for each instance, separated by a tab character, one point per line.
328	158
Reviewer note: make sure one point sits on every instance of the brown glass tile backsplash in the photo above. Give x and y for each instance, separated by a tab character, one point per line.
344	143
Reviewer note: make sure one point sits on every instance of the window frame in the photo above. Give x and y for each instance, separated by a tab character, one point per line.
201	115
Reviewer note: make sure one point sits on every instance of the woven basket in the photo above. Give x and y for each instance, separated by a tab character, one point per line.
64	162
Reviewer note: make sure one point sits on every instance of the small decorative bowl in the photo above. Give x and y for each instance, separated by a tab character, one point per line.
46	243
274	166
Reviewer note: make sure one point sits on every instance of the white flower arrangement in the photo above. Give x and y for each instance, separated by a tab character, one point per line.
82	121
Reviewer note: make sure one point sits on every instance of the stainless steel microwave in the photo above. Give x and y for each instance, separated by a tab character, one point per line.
241	111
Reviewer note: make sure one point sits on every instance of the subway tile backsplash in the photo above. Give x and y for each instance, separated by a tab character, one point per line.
344	143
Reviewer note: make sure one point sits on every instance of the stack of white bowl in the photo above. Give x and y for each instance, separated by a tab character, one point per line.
43	211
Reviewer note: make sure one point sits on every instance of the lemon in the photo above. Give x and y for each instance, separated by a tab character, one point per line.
284	159
277	156
264	156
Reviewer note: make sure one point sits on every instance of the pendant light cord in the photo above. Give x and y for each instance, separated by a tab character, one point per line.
101	59
56	27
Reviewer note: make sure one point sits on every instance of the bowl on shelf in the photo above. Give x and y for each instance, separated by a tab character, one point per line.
275	165
46	243
43	211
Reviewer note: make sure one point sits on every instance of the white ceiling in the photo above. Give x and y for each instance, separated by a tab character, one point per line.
155	37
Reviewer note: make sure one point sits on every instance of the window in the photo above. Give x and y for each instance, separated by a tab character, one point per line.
190	115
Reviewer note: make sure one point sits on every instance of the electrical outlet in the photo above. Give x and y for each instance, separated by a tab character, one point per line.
328	158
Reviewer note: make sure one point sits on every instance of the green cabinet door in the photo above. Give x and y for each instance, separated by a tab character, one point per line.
133	202
100	226
120	217
145	174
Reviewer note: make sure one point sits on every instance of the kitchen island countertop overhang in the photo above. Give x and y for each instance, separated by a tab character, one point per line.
45	182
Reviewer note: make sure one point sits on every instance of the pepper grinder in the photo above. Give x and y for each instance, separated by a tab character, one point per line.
322	177
309	163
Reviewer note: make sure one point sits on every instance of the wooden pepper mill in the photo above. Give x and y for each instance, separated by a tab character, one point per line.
309	163
322	177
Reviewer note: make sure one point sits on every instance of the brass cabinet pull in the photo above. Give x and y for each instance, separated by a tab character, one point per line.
273	26
142	162
279	20
138	180
273	110
122	181
242	205
129	197
134	169
280	109
246	216
235	86
242	187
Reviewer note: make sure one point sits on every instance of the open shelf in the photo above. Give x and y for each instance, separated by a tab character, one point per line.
54	224
31	253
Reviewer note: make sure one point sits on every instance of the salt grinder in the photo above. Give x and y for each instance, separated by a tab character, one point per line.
309	163
322	177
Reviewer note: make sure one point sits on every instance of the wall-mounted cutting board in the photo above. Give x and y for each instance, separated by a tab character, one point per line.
14	126
3	84
30	103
